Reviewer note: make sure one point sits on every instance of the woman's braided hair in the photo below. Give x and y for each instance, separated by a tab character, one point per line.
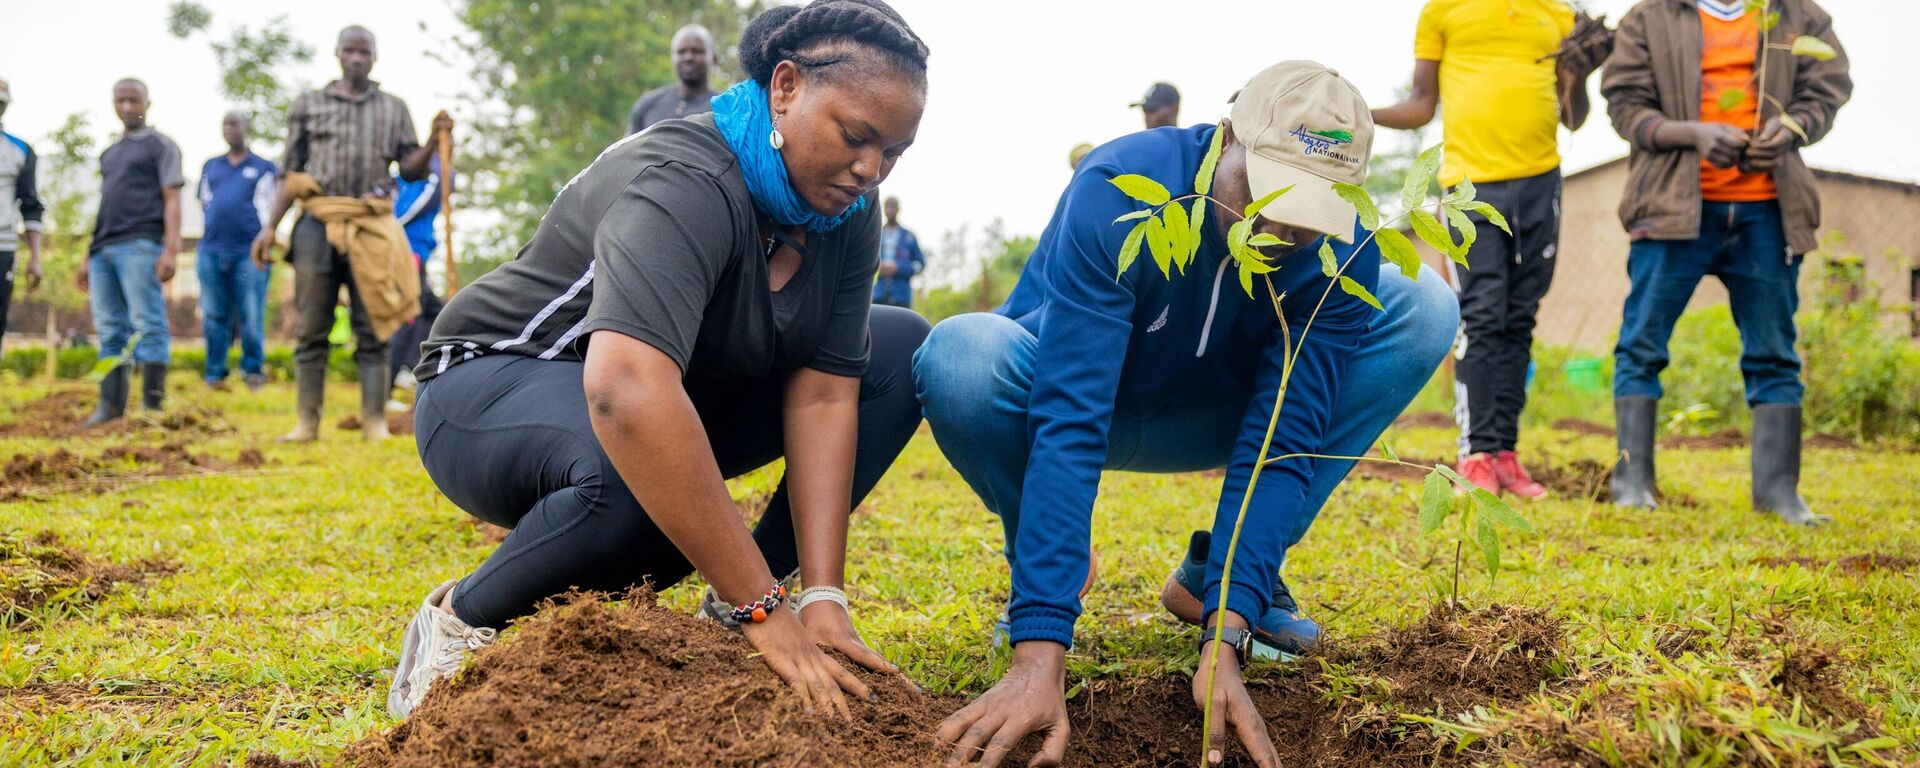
796	34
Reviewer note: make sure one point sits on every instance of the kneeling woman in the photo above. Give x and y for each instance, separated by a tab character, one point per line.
694	305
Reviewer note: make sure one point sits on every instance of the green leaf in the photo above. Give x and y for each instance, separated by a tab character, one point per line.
1436	502
1139	214
1872	745
1254	208
1246	277
1238	234
1160	246
1263	240
1732	97
1463	193
1452	475
1362	204
1398	249
1769	21
1354	288
1194	222
1492	214
1329	263
1130	249
1794	125
1501	512
1203	181
1179	239
1431	231
1489	541
1815	48
1386	449
1756	5
1142	188
1468	233
1419	178
104	366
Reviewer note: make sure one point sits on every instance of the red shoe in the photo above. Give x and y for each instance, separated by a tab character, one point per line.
1478	469
1514	478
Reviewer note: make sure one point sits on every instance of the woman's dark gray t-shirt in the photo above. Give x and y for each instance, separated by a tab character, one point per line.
658	239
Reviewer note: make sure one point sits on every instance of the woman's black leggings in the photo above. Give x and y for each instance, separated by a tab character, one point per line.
507	439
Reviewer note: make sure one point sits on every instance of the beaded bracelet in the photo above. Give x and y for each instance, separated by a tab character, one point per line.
812	595
758	610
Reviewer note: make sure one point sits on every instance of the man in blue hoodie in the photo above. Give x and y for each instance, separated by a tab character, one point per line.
1080	371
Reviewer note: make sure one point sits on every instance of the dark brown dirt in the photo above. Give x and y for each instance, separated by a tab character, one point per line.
31	474
1867	563
37	569
492	533
631	683
1584	479
1810	675
397	423
1380	470
64	412
264	760
1832	443
1426	420
1583	427
1723	439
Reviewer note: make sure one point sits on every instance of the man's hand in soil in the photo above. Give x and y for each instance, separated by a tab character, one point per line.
1766	149
819	680
1231	705
828	625
1719	143
1031	697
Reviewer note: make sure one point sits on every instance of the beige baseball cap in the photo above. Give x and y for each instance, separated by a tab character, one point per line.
1304	125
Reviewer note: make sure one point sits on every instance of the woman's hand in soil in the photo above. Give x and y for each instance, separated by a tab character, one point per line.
819	680
828	625
1031	697
1232	706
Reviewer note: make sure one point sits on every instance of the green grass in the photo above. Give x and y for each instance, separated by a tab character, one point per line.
293	584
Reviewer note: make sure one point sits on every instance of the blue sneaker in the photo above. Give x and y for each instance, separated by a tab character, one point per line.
1281	632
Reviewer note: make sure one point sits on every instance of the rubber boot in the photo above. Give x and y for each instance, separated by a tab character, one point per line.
374	386
1633	475
113	396
311	382
1776	465
153	386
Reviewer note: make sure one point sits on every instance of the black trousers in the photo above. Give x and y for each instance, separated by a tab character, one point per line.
1500	293
318	273
507	438
6	290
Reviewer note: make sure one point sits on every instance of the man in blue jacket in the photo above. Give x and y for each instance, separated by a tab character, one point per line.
900	260
236	192
1080	372
417	205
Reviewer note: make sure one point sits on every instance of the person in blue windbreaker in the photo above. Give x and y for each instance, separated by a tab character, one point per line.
1080	372
417	205
900	260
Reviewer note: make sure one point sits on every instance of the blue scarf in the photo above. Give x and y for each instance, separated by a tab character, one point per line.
743	119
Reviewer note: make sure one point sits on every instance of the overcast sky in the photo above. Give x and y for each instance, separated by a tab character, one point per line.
1015	83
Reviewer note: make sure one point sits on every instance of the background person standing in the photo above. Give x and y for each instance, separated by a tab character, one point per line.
416	204
236	193
135	247
19	204
900	260
694	56
1713	189
1160	108
346	136
1508	69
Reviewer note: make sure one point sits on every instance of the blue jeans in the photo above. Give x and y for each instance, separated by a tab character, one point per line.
975	375
232	292
1744	245
126	299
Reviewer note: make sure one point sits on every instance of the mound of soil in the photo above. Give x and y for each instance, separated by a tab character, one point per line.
1867	563
1584	479
40	568
64	413
1426	420
631	683
397	423
1721	440
1832	442
26	473
1583	427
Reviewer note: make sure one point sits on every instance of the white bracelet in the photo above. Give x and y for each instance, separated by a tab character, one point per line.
812	595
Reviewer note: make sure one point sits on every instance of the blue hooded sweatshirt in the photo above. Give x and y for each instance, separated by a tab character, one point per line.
1193	339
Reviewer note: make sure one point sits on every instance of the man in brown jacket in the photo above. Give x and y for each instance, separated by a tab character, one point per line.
1716	186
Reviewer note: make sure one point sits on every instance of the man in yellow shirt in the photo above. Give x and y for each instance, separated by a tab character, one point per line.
1510	70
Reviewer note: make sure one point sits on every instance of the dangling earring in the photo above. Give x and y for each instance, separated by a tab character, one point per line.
775	138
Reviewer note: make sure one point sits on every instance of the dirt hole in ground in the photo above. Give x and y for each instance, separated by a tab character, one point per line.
632	683
397	423
1867	563
28	474
41	568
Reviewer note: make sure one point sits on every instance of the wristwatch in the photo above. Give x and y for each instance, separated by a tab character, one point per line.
1240	640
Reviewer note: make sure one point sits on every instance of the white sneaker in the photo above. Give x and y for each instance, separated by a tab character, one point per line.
432	648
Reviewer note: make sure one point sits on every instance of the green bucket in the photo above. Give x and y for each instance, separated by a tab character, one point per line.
1583	374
